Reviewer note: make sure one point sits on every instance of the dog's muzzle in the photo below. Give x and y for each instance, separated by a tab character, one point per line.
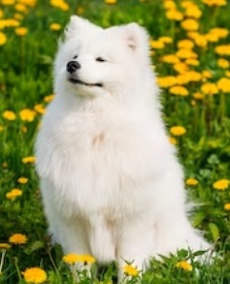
72	67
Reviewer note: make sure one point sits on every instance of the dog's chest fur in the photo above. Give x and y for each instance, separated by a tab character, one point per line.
97	154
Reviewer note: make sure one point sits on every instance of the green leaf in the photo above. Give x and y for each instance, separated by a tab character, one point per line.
198	253
182	253
213	160
198	218
214	231
34	246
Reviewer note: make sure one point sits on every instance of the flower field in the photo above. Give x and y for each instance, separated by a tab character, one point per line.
190	51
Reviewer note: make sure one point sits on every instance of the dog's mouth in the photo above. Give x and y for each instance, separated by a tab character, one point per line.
77	81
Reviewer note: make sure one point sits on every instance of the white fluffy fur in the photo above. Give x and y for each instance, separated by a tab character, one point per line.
111	183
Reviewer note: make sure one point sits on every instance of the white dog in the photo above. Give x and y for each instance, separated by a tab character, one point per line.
111	183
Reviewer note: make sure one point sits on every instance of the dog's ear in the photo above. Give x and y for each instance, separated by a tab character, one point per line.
136	37
76	25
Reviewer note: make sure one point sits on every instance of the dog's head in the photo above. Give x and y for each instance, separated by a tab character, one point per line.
92	61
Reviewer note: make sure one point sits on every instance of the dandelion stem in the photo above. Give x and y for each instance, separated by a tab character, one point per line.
17	268
2	259
52	261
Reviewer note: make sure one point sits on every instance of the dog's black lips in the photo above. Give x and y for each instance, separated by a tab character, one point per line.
76	81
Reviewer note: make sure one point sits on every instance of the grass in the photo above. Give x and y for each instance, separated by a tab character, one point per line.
204	149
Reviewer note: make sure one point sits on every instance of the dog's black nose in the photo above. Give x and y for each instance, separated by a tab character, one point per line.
72	66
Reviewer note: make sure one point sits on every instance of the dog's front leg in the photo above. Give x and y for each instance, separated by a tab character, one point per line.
136	244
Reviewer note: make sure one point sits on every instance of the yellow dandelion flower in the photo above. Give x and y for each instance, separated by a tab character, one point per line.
209	89
224	85
55	27
194	76
187	4
1	13
191	181
130	270
27	114
220	2
193	11
18	239
7	2
28	160
20	7
190	25
223	63
192	61
49	98
2	38
2	24
156	44
169	5
180	67
21	31
28	2
201	41
184	265
9	115
170	59
212	3
223	49
10	23
182	79
219	32
174	15
211	37
4	246
185	44
110	1
167	81
221	184
192	34
206	74
71	258
179	91
177	130
86	258
40	109
186	53
172	140
13	193
34	275
166	39
227	74
198	96
23	180
61	4
227	206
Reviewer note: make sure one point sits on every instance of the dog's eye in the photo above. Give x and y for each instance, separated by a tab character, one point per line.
100	59
76	56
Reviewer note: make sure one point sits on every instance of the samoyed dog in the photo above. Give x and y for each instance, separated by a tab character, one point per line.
112	186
